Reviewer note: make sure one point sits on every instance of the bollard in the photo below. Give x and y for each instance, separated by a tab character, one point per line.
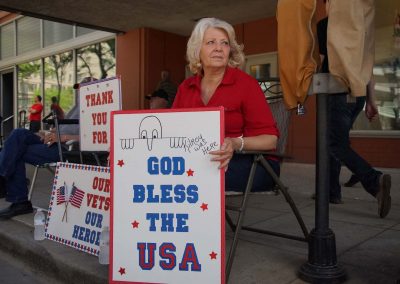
322	266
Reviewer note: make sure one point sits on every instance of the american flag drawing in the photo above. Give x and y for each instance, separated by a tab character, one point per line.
61	194
76	197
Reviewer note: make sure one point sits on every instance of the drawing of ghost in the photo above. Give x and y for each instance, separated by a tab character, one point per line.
150	128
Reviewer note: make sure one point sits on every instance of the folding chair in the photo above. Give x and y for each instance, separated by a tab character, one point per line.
282	117
70	154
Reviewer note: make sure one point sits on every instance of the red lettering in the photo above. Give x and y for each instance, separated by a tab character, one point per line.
99	137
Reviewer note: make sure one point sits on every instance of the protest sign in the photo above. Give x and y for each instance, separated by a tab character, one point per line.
97	99
79	206
167	218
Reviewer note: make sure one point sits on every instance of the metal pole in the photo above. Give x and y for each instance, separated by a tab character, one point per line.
322	266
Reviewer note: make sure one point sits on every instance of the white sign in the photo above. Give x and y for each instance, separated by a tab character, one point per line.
97	99
79	206
167	219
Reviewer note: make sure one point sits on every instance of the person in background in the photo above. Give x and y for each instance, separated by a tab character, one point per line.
214	57
24	146
158	99
168	86
56	107
341	115
35	114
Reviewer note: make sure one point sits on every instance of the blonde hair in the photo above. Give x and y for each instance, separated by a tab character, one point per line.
236	56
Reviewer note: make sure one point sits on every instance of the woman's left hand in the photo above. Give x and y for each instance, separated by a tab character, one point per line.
224	155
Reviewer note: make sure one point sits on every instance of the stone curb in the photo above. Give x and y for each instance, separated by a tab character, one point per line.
59	262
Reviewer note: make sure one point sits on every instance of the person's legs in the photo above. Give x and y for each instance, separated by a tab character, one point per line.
34	126
16	186
14	148
21	147
238	172
341	118
335	193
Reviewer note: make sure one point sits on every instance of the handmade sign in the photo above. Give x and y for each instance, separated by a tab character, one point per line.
167	219
79	206
97	99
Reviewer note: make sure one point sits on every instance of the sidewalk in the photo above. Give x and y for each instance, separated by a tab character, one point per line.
367	247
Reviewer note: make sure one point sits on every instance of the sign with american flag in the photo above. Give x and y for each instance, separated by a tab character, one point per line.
79	206
167	218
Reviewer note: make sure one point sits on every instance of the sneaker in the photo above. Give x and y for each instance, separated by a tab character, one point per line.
383	195
352	181
15	209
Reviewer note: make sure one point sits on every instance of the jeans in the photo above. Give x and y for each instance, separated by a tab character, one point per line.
341	115
238	172
22	146
34	126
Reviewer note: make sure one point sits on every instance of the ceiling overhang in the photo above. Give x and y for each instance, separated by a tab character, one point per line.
175	16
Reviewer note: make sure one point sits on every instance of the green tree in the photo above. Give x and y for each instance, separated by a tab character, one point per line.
104	51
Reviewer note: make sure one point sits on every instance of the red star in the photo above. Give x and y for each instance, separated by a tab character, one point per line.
204	206
135	224
213	255
121	270
120	163
190	172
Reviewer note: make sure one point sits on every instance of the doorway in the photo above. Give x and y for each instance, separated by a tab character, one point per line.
7	102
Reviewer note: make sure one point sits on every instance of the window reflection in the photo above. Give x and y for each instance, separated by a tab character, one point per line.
58	82
29	86
96	60
387	94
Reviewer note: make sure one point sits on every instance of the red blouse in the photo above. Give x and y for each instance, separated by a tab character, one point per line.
246	110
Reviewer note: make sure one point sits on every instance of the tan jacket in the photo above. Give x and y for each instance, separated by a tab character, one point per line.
351	42
297	48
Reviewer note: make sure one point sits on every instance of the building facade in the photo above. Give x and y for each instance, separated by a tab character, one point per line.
47	58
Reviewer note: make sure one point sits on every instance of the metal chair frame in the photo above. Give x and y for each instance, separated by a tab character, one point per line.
259	158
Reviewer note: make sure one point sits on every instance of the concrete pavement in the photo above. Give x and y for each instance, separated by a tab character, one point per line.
368	247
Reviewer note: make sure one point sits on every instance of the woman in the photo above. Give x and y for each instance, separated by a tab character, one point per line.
214	55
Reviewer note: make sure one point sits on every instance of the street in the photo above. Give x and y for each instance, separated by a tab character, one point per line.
13	271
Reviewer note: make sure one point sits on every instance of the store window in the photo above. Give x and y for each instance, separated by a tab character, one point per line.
58	72
96	60
29	86
386	73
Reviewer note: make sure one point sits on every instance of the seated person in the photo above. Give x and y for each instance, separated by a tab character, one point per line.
56	107
214	55
23	146
158	99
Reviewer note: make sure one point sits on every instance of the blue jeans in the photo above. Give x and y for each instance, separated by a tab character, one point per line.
22	146
238	172
341	115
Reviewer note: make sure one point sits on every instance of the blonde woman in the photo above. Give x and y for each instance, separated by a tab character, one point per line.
214	57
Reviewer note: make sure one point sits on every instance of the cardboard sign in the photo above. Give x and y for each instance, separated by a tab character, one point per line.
79	206
167	219
97	99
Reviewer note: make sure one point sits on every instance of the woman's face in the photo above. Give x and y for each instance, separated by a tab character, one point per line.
215	49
